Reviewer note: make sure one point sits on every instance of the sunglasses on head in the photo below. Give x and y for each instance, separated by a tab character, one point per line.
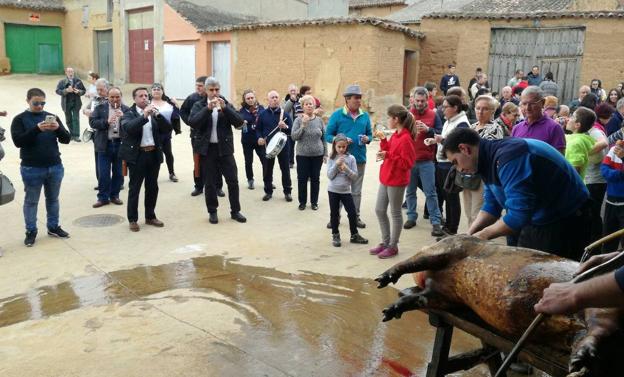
38	103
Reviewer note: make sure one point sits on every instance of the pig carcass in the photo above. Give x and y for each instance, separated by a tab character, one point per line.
501	284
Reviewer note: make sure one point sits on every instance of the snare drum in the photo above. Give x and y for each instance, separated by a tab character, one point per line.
87	135
277	143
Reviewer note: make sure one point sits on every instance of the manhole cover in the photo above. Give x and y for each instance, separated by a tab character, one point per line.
99	221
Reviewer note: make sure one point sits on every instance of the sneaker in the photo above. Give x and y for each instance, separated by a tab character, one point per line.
250	184
58	232
356	238
173	178
377	249
360	224
30	238
409	224
336	239
437	231
388	252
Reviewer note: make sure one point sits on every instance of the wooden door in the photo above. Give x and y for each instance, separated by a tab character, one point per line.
105	54
141	46
558	50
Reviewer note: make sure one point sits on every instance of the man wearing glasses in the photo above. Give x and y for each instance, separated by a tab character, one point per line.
212	118
37	133
354	123
536	124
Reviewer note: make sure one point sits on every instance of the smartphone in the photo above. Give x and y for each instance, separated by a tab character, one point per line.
50	119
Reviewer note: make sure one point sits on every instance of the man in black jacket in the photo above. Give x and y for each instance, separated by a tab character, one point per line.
105	120
213	118
71	89
37	133
141	130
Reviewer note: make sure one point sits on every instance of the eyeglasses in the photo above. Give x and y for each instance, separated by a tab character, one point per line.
528	104
38	103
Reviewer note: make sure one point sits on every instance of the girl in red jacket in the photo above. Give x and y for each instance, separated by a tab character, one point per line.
398	155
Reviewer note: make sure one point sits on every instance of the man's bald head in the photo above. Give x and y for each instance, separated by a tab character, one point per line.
273	99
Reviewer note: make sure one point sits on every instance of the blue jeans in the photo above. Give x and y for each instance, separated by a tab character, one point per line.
107	162
34	178
425	171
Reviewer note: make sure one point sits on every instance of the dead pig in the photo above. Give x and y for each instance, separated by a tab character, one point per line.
501	284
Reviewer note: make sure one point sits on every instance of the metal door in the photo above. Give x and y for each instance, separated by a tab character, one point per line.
141	46
34	49
221	66
558	50
49	58
105	54
179	70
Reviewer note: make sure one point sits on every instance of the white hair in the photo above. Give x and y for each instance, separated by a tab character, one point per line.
212	81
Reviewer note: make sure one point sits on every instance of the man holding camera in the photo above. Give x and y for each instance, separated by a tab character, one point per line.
141	130
71	89
37	133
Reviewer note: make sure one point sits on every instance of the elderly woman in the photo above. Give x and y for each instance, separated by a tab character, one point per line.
509	116
485	106
311	151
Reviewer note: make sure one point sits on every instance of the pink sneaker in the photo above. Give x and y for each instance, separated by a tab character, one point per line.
388	252
377	249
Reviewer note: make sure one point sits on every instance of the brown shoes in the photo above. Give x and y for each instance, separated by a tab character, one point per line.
116	201
155	222
99	204
134	227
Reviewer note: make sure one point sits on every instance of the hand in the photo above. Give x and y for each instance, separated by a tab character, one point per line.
221	102
76	91
619	151
482	235
69	89
53	126
429	141
379	134
319	112
438	138
282	125
421	127
365	139
261	142
559	298
349	141
342	167
305	120
381	155
595	261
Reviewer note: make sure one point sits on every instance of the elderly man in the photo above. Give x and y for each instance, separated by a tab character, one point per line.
546	202
536	124
105	120
271	120
507	96
583	91
101	88
427	123
71	89
355	124
213	118
141	147
481	82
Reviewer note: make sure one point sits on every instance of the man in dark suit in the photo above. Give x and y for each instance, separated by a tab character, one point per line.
141	130
105	120
212	118
71	89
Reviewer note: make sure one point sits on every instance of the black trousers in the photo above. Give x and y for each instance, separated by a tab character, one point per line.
566	238
199	181
334	211
145	169
597	193
309	168
248	151
267	172
613	221
453	205
290	145
213	166
168	153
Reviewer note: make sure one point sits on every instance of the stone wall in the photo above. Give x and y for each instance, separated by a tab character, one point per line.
327	57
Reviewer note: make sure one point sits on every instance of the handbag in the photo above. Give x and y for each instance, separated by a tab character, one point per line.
7	191
450	184
468	181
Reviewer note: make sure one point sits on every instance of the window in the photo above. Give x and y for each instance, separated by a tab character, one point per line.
109	10
85	16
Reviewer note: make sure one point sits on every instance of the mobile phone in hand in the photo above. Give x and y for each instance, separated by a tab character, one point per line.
50	119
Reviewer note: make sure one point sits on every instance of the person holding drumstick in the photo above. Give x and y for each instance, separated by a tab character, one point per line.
271	120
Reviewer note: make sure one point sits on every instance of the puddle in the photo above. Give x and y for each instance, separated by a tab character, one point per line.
302	324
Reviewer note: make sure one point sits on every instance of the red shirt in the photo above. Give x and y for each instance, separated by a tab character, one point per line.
431	103
424	152
400	157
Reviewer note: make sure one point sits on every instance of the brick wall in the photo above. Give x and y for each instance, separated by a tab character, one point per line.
327	57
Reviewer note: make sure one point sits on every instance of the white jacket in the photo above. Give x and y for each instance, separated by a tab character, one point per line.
449	126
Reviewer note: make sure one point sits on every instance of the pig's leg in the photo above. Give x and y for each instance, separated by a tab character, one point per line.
417	299
414	264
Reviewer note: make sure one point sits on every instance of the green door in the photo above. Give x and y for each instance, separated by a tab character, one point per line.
34	49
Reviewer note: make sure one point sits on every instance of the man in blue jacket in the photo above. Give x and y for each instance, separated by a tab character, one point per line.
545	201
355	124
269	120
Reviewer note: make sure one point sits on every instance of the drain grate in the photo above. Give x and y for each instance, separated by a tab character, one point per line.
99	221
